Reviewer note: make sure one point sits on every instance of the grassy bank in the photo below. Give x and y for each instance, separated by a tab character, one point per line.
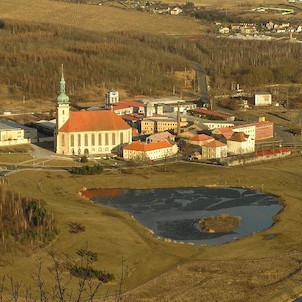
267	267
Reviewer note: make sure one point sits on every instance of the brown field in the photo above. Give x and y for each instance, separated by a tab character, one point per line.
96	18
253	267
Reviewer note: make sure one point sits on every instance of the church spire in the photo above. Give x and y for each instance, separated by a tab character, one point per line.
62	82
62	98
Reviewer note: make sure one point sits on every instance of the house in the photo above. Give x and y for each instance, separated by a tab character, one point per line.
29	133
200	139
157	137
12	135
210	114
149	151
224	30
240	143
175	11
111	97
248	29
263	99
160	124
214	149
88	132
226	133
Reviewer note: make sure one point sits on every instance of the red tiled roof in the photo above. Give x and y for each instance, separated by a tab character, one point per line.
132	117
163	135
226	132
132	103
256	124
93	121
119	106
210	112
139	146
238	137
214	144
201	137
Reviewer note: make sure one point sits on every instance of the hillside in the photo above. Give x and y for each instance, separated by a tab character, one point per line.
96	18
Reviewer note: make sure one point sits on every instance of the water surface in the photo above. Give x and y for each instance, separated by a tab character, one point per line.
174	213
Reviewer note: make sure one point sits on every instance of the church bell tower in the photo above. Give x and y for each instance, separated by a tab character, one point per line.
63	104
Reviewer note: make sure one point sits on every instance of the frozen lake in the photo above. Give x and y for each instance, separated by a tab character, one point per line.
174	213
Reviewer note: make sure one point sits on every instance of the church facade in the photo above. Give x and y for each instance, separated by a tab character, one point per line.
88	132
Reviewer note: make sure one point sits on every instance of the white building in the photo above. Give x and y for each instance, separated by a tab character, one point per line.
111	97
149	151
214	149
263	99
10	135
248	129
240	143
175	11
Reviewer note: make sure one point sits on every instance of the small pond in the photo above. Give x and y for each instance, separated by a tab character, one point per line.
175	213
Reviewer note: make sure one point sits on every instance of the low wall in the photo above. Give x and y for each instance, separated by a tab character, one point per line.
14	142
243	161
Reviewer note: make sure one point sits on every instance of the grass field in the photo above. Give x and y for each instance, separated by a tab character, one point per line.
251	267
96	18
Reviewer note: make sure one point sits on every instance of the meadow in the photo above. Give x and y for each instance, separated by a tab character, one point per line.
252	267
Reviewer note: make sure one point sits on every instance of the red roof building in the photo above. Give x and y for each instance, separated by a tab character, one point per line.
149	151
200	139
88	132
209	113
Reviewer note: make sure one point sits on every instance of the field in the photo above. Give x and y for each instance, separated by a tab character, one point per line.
96	18
251	267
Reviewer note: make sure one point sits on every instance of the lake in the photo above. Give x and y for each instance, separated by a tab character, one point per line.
175	213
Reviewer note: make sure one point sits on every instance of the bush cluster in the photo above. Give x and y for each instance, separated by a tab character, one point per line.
87	170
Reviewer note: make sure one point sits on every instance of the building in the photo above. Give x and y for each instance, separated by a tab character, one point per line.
214	149
205	113
88	132
263	99
248	129
218	124
224	30
111	97
257	131
160	124
29	133
240	143
157	137
175	11
200	139
149	151
11	135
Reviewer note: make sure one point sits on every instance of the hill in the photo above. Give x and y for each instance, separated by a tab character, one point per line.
96	18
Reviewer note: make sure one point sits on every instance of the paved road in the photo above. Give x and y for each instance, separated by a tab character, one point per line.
202	81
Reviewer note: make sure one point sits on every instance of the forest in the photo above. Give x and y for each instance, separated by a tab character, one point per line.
136	63
23	221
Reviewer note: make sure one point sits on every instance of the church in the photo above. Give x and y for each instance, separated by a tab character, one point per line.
88	132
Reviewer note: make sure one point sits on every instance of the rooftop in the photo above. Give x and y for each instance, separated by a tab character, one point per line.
94	121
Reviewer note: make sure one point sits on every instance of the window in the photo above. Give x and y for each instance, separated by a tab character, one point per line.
92	139
86	139
72	140
79	140
122	138
63	140
100	139
113	138
106	139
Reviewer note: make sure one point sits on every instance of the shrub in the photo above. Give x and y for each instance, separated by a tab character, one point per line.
87	170
75	227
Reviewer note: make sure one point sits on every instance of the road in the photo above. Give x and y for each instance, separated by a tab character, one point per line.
201	80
